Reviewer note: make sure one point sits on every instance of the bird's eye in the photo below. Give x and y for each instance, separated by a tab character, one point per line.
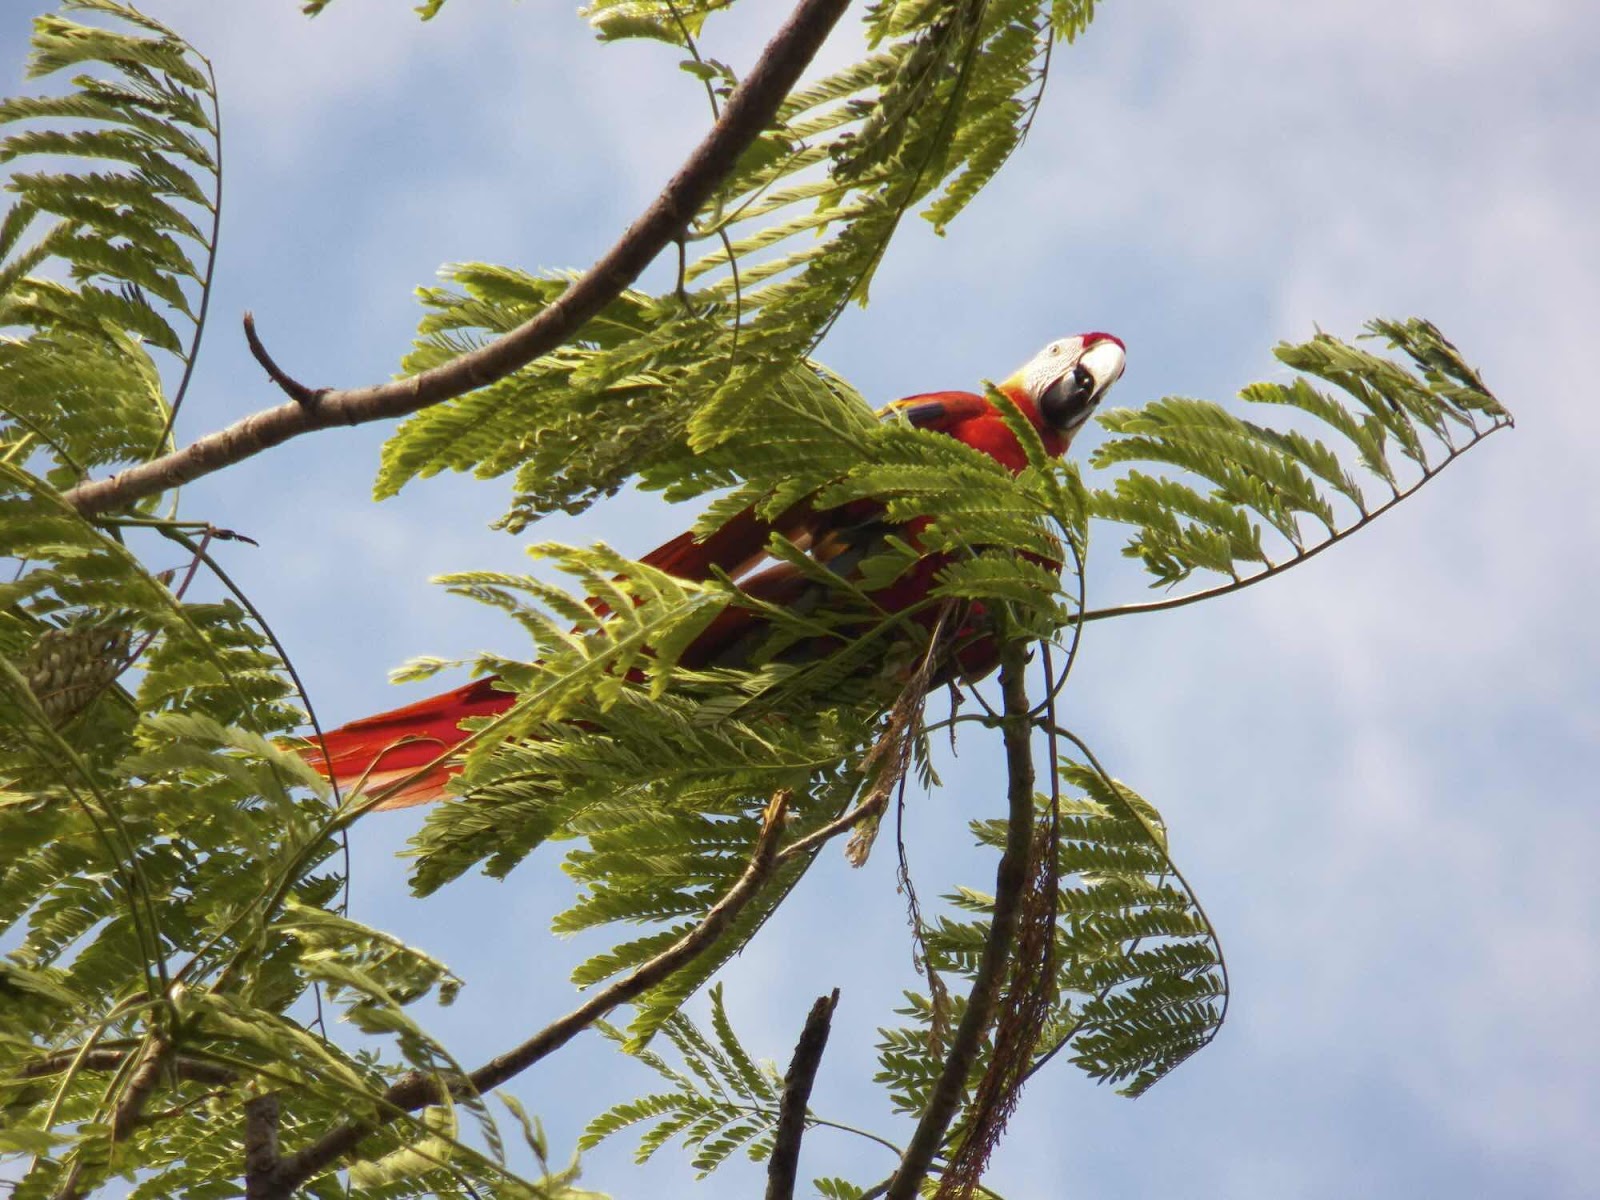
1055	348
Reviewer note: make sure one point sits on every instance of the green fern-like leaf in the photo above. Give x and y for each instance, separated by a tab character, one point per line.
1139	971
134	244
722	1101
655	384
1402	426
164	881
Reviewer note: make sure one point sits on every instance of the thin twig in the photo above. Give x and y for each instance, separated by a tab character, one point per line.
1010	880
889	759
173	533
750	109
416	1090
296	391
1053	687
921	959
871	807
193	355
784	1164
815	1122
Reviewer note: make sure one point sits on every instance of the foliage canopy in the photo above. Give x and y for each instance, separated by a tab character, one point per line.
170	888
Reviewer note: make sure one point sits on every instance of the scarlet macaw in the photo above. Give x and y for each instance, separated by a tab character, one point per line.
404	754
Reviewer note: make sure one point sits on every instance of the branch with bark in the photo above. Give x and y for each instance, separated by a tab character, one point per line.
193	1069
136	1093
1011	879
260	1146
784	1163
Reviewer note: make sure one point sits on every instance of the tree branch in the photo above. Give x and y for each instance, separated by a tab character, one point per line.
749	110
784	1164
260	1146
1010	880
112	1060
871	807
293	388
416	1091
129	1107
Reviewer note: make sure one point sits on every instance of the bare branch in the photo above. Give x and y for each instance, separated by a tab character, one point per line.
784	1164
261	1147
749	110
416	1090
1010	880
297	391
871	807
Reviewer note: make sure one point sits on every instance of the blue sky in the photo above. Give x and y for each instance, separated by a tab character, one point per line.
1379	770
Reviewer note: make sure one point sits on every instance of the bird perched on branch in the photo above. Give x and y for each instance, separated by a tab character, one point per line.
403	757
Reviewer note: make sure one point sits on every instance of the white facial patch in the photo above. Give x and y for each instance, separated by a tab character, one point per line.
1049	364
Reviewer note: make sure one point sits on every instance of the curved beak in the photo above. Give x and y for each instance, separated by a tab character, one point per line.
1067	402
1104	361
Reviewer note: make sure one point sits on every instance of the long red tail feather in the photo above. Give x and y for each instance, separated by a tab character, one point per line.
384	754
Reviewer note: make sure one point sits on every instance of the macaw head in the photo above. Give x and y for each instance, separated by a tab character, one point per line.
1068	377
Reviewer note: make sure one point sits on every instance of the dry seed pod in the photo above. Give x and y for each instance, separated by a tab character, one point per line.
69	667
